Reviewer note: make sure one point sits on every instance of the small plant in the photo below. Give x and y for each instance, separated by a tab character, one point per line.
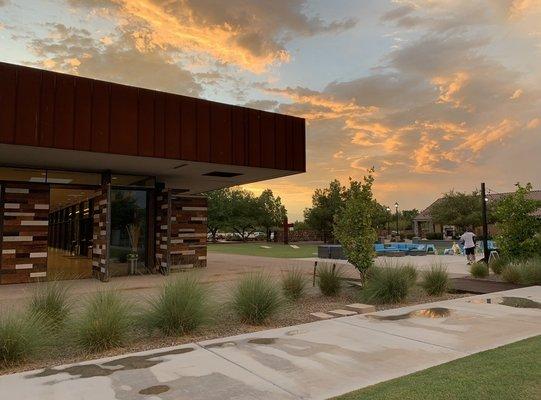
293	284
498	264
435	281
51	301
21	336
411	271
256	298
512	274
182	307
105	322
329	279
479	269
387	285
530	272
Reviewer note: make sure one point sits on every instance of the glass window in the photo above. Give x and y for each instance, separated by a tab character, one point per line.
133	180
73	178
22	174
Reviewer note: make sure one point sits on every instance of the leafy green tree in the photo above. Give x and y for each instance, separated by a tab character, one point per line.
271	211
517	226
354	227
381	216
459	209
219	210
244	213
407	218
326	203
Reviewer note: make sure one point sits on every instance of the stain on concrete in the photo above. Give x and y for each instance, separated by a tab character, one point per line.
220	345
433	312
263	341
158	389
517	302
110	367
296	332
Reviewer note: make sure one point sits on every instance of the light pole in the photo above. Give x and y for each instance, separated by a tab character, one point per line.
388	212
396	209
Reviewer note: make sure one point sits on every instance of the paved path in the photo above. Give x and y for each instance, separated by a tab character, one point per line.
310	361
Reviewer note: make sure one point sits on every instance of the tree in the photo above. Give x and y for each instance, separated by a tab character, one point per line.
219	209
244	213
271	213
407	218
326	203
459	209
353	225
381	216
517	226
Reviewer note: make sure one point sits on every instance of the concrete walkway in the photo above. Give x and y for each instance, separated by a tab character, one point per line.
310	361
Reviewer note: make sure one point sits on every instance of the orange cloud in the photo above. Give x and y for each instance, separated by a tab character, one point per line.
450	86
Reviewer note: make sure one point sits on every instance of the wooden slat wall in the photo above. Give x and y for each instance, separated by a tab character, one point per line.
25	212
47	109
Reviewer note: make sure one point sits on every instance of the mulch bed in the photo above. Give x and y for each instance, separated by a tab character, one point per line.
481	286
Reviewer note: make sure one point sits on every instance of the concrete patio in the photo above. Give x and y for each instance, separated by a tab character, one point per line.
310	361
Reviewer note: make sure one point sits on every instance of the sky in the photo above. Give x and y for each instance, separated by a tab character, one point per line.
435	95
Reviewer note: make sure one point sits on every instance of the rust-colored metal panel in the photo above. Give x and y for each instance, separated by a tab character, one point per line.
203	130
238	133
64	112
159	125
298	144
8	98
302	147
188	130
100	117
220	133
281	149
123	139
83	114
146	123
172	126
27	111
268	140
46	109
254	138
290	154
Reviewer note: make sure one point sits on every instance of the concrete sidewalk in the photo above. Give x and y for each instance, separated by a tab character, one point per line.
310	361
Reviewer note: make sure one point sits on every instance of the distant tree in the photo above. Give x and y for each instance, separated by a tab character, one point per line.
326	203
381	216
300	226
271	212
244	213
516	224
459	209
407	217
354	225
219	210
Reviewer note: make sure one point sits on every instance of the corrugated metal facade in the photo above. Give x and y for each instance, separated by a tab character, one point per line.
47	109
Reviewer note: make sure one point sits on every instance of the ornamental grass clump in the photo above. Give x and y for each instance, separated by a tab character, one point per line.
497	265
256	298
293	284
182	307
51	301
329	279
530	271
387	285
411	271
512	274
479	269
106	321
435	281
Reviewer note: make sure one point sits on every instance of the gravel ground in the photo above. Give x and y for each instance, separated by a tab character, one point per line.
225	325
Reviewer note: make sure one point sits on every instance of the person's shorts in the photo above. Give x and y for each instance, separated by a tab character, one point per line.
470	251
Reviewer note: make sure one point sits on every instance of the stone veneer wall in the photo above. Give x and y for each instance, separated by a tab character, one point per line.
100	238
181	231
24	220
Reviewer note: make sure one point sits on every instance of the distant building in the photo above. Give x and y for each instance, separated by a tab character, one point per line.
423	224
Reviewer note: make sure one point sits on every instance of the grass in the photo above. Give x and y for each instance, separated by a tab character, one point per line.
435	281
329	279
106	321
508	372
497	265
182	306
293	284
51	301
527	272
277	250
256	298
387	284
512	274
479	269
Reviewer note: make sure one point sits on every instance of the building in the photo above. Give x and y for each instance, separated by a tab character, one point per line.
423	224
102	179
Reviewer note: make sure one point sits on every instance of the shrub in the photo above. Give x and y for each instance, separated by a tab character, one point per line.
21	336
51	300
434	236
329	279
530	271
387	285
511	273
181	307
479	269
436	280
498	264
293	284
256	298
411	272
105	322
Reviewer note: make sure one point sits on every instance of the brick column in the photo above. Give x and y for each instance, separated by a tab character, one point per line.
24	211
101	234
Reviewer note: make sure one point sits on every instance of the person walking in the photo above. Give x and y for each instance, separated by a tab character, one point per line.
468	241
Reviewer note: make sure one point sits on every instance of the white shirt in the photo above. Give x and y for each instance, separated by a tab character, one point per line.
467	239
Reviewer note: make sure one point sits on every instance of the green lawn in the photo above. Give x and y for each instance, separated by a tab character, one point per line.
508	372
255	249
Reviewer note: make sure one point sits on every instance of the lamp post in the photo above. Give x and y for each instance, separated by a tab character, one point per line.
484	198
396	210
389	212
